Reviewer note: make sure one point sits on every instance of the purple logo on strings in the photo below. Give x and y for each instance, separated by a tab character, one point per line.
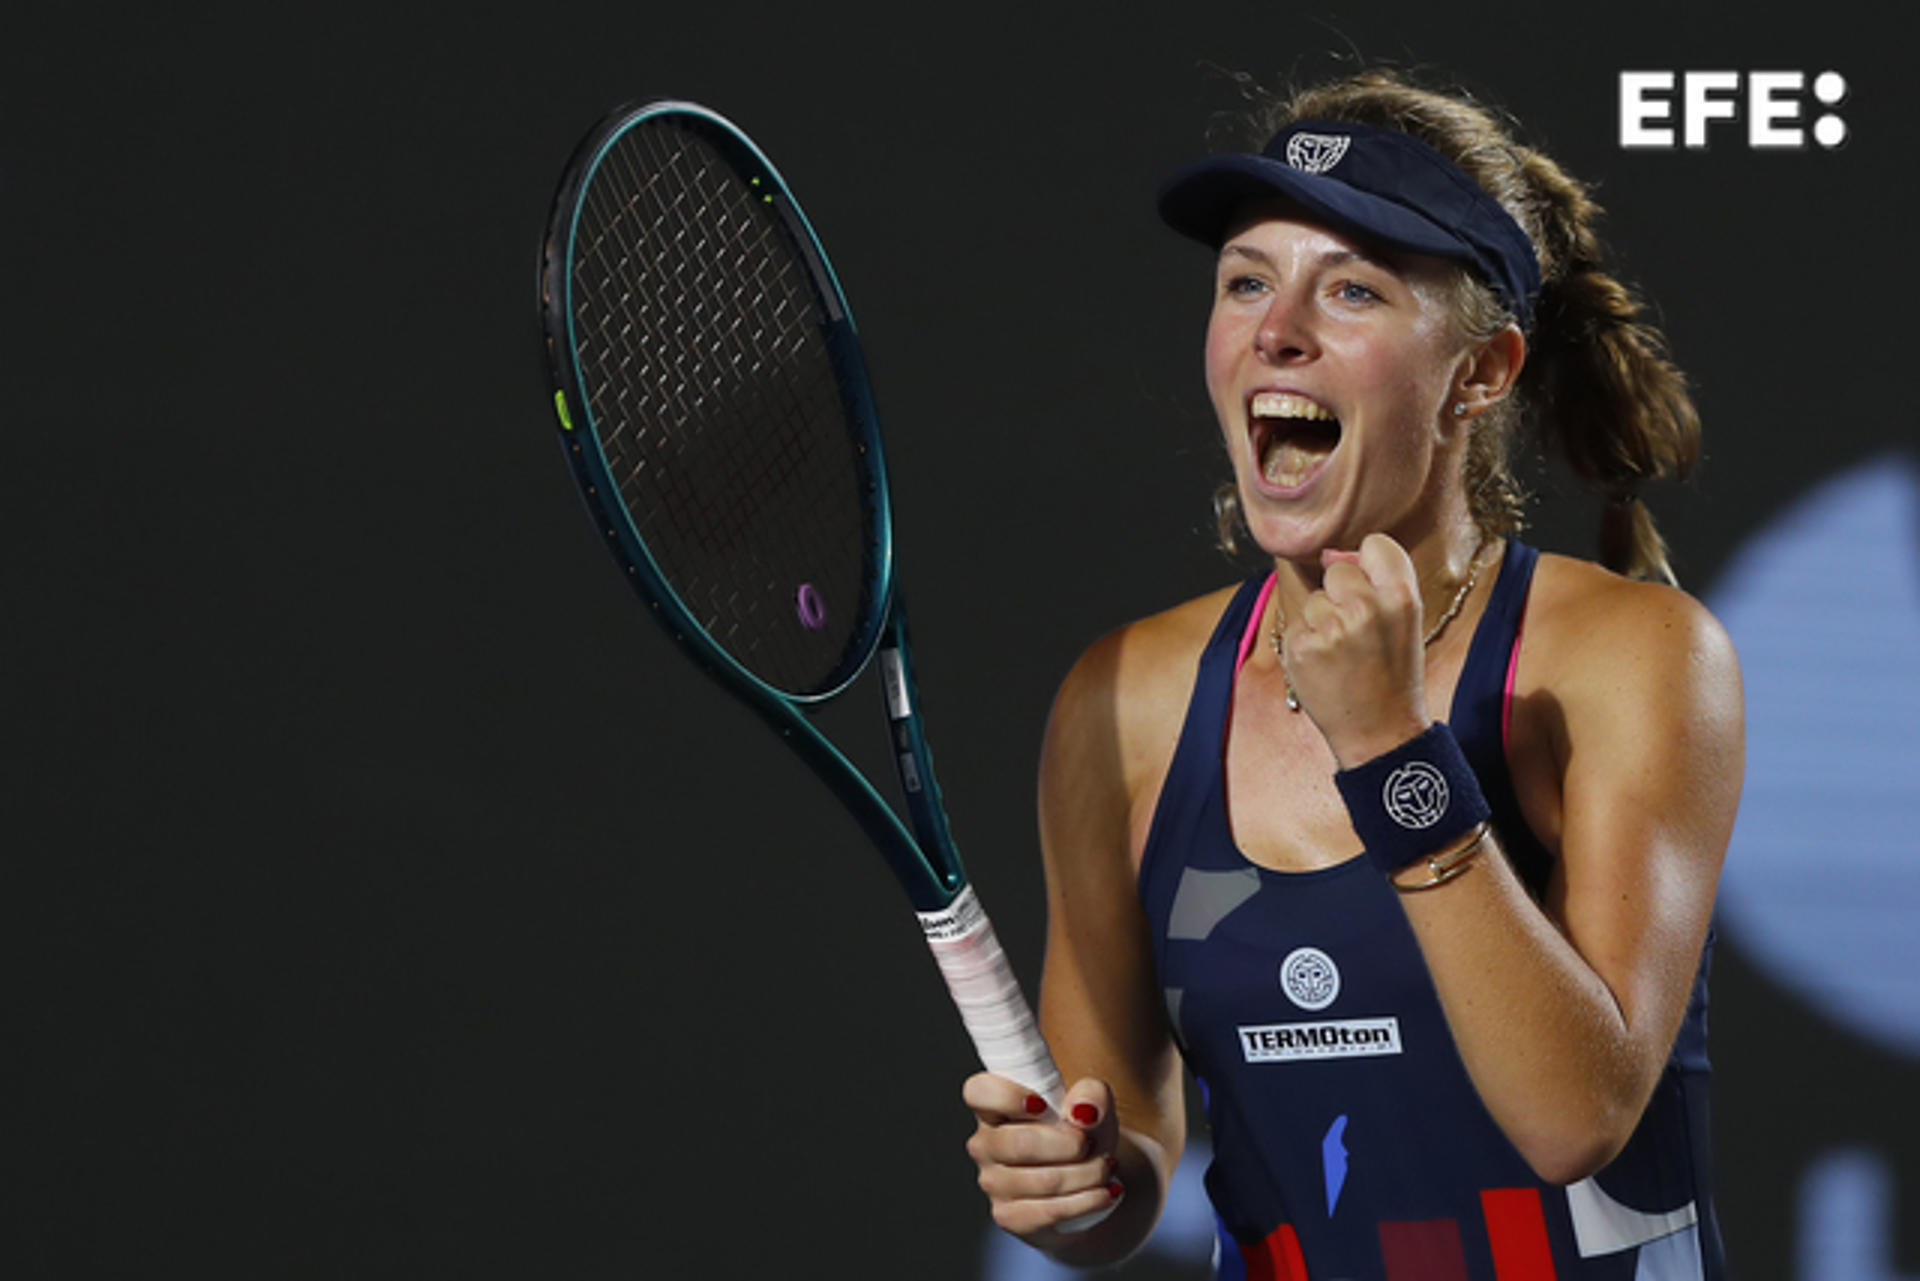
811	609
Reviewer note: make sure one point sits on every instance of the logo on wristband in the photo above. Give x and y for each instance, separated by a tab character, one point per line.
1415	795
1310	978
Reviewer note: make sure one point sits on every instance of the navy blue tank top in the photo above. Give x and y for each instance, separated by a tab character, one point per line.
1349	1142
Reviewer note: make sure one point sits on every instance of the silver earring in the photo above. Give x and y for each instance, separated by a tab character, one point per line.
1459	409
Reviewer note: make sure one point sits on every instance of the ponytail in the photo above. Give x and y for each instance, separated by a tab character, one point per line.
1603	391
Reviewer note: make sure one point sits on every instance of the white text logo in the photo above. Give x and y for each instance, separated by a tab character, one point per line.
1770	101
1333	1039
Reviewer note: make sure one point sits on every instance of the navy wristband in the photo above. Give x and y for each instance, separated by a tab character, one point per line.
1417	798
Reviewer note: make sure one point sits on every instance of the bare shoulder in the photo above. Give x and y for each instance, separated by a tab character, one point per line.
1636	668
1589	626
1127	694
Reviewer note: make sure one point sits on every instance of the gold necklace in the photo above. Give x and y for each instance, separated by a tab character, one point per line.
1279	633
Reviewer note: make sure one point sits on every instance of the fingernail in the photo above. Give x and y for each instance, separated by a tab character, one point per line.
1114	1190
1086	1114
1035	1105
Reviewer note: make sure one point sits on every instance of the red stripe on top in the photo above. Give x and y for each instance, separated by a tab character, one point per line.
1277	1258
1518	1232
1425	1251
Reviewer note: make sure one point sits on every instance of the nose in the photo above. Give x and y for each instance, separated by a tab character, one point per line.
1283	336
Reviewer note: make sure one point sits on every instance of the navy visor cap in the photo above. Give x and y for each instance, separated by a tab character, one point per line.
1380	185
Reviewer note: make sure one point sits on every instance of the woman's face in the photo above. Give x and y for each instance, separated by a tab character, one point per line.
1331	369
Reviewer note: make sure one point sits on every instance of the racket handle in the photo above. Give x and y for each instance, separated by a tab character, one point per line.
988	995
997	1016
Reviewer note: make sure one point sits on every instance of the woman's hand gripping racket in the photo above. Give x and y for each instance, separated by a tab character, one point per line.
714	405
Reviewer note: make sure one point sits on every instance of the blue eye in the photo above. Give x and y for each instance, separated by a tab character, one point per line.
1355	292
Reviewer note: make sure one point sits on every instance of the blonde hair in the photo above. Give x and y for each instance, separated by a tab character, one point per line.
1598	387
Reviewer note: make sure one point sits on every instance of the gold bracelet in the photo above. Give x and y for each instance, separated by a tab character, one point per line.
1454	864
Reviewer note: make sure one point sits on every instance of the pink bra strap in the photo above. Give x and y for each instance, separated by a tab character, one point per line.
1251	636
1506	694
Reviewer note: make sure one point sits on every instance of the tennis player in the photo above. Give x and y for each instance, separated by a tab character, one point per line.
1407	846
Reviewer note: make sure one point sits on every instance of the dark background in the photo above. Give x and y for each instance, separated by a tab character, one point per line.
382	897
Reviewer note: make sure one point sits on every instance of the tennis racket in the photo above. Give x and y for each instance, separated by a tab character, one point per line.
714	405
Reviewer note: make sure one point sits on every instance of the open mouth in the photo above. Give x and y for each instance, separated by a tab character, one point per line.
1292	436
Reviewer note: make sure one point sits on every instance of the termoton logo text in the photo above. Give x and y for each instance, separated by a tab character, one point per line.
1330	1039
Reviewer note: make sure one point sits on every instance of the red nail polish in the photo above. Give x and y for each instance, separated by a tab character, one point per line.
1114	1190
1035	1105
1086	1113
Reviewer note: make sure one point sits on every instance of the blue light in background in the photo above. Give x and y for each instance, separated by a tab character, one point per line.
1846	1219
1822	878
1823	875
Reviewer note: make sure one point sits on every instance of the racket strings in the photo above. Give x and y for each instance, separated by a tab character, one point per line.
645	394
698	331
704	333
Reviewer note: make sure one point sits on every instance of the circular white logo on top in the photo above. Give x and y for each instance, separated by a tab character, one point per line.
1310	978
1415	795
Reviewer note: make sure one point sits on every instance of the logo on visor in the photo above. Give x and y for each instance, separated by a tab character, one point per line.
1316	152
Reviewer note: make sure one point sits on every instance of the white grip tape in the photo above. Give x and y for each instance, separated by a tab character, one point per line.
996	1015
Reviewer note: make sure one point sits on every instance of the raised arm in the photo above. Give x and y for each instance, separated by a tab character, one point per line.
1566	1016
1627	753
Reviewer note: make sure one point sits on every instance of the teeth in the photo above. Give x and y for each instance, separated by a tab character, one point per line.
1285	404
